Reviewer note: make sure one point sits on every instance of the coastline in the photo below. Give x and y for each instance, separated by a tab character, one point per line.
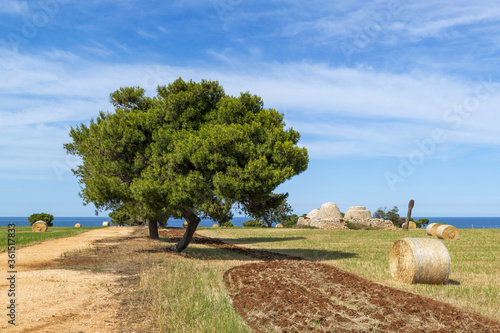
96	221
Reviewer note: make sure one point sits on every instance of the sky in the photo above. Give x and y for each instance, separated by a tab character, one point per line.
394	99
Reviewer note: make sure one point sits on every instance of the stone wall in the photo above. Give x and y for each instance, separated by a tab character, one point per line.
374	222
337	224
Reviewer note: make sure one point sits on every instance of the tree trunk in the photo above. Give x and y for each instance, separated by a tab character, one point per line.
193	222
153	228
408	216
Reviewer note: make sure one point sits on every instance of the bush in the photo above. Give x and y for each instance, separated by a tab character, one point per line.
47	218
290	221
421	222
254	223
227	224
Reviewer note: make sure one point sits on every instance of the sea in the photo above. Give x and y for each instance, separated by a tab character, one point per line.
96	221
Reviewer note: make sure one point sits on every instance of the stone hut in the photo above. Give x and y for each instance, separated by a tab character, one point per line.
360	215
357	212
327	217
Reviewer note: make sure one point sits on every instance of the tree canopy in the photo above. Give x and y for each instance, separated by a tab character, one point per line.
190	151
47	218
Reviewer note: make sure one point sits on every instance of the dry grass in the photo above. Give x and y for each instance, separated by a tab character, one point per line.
165	292
474	282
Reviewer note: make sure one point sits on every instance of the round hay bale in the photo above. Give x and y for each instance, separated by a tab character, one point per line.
279	225
419	260
447	232
431	229
106	224
412	225
185	224
39	226
215	226
78	225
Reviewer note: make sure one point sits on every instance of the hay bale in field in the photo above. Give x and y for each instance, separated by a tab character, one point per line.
215	226
279	225
412	225
431	229
185	224
447	232
78	225
419	260
106	224
39	226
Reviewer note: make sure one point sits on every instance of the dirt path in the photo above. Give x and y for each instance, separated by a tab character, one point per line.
59	300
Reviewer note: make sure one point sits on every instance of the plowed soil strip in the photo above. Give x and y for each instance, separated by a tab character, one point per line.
289	294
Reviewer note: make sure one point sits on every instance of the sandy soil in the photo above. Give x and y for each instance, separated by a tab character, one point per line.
49	299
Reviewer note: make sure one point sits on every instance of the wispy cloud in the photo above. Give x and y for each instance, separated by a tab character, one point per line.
339	111
14	7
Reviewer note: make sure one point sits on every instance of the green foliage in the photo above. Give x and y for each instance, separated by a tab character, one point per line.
227	224
392	214
273	209
254	223
190	151
290	221
47	218
421	223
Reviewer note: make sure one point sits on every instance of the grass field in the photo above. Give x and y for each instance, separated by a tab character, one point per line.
25	236
475	269
186	293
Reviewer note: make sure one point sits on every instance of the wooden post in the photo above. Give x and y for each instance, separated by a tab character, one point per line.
408	216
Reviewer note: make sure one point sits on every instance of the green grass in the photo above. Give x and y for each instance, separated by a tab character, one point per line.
475	270
189	296
25	236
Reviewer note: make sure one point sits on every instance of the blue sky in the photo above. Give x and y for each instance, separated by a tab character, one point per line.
395	100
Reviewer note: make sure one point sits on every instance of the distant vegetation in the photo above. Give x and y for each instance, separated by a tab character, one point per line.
47	218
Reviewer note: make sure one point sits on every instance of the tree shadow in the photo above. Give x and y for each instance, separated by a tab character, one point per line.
253	240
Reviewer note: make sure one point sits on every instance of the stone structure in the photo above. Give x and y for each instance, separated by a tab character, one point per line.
360	215
312	214
357	212
329	217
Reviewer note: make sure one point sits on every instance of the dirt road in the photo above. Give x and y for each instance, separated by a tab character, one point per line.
59	300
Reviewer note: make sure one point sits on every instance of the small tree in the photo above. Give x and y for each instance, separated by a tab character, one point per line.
421	222
381	213
290	221
393	215
47	218
273	210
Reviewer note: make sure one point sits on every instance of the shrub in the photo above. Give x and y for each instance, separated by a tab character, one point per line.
421	222
227	224
47	218
254	223
290	221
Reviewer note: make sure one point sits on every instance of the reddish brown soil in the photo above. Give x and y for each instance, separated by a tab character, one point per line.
290	294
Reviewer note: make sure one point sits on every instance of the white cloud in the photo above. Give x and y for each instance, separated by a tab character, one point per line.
339	111
14	7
